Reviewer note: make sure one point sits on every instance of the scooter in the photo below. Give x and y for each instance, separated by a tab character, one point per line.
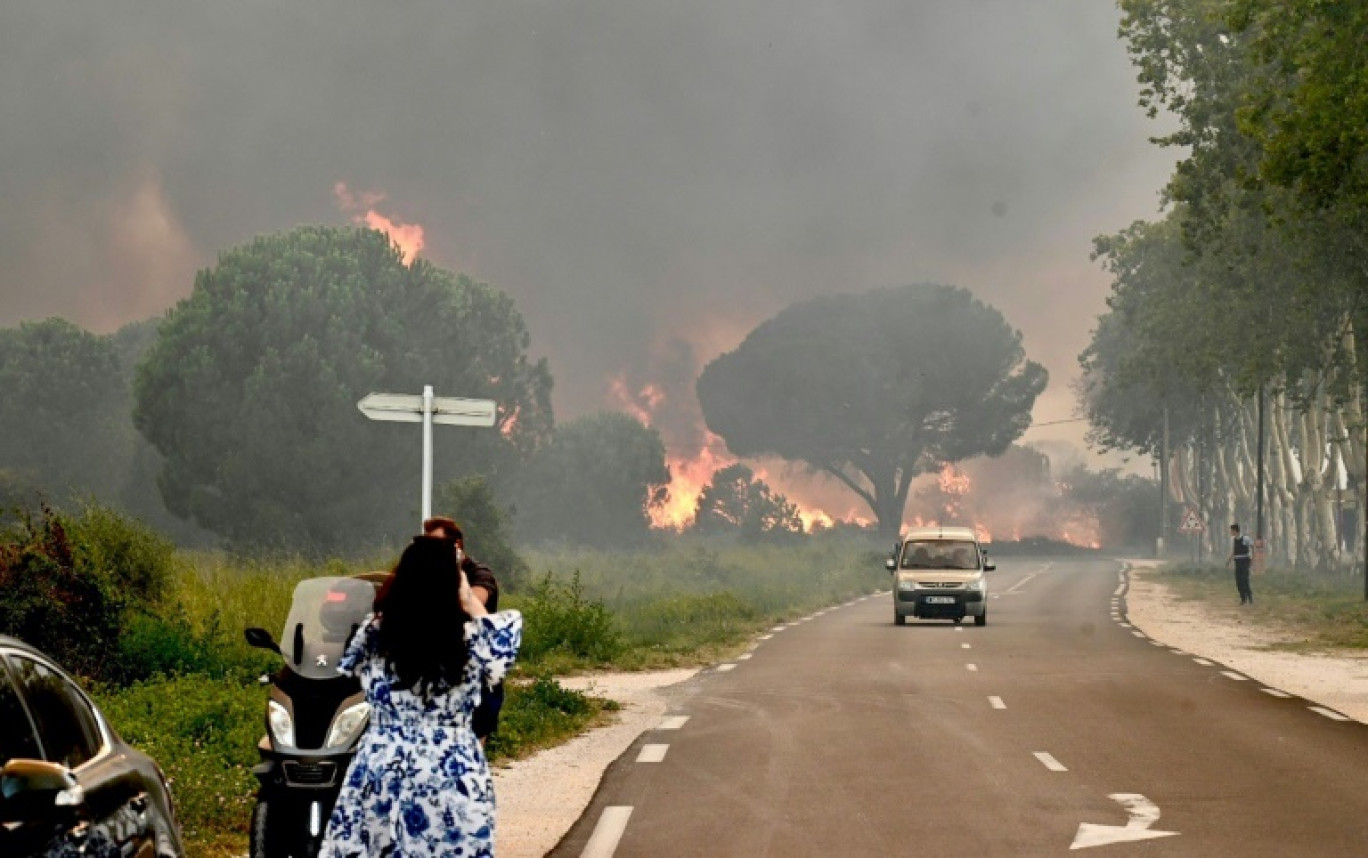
314	715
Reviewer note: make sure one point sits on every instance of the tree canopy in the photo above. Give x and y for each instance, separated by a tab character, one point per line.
250	390
734	501
875	388
593	483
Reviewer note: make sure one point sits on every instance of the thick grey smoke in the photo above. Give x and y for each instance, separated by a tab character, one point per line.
636	174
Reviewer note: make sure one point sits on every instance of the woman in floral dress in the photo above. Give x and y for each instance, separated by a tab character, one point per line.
419	785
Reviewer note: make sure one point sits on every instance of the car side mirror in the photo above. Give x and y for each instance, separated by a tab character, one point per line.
989	567
36	790
890	564
261	639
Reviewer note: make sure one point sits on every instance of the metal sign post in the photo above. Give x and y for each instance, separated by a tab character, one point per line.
428	409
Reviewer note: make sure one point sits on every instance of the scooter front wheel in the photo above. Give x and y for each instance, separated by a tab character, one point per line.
279	830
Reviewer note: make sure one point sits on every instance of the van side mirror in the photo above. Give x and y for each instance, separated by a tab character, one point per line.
261	639
37	790
989	567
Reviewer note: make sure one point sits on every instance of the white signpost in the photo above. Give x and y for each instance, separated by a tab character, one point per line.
428	409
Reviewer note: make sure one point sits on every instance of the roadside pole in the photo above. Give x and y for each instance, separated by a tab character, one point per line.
428	409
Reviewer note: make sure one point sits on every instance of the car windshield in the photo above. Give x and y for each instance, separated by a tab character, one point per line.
323	615
939	554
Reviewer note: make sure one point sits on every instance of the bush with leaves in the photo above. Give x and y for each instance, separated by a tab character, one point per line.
471	502
49	600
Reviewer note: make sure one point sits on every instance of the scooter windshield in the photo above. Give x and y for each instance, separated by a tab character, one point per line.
324	614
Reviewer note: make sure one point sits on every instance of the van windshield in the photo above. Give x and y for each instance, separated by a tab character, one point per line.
939	554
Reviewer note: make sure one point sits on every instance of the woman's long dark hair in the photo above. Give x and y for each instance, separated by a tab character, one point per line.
422	623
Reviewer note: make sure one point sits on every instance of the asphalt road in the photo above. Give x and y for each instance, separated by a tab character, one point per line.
1056	726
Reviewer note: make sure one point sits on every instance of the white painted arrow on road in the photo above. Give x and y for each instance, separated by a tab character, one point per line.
1143	814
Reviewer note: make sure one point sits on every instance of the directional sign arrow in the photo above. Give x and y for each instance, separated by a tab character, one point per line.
1143	814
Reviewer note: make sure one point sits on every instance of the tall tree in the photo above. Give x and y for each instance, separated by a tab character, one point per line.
593	483
736	501
63	417
875	388
250	391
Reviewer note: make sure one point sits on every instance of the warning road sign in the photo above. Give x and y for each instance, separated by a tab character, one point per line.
1192	522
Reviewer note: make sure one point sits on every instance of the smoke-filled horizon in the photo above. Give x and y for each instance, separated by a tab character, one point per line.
649	181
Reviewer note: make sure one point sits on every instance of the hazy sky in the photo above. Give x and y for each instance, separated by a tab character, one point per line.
648	179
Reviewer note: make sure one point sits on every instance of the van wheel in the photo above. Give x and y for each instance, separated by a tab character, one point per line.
899	619
982	619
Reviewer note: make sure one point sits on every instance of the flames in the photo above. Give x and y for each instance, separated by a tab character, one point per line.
360	207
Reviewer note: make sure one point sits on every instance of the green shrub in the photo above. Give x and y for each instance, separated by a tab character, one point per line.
203	733
559	620
540	714
50	601
135	560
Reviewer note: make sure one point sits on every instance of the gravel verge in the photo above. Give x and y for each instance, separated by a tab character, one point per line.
1337	679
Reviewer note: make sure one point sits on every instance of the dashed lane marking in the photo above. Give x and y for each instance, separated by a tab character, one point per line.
1127	626
744	656
1203	662
723	668
1275	692
996	703
1230	674
1139	634
766	637
972	667
966	646
959	628
1329	713
1050	762
673	722
611	825
652	753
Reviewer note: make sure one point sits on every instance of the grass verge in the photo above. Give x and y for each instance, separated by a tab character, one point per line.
1317	611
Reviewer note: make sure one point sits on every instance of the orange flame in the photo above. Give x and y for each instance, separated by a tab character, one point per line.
408	237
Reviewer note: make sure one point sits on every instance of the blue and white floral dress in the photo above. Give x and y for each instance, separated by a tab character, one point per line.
419	785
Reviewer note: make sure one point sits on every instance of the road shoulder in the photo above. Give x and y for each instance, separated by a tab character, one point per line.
538	799
1336	679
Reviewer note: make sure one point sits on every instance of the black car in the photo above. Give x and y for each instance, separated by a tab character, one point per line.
69	785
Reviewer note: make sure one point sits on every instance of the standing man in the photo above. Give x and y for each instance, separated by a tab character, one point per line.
1242	554
486	589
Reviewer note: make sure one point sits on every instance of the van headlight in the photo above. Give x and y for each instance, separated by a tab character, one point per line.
348	723
975	585
281	724
907	586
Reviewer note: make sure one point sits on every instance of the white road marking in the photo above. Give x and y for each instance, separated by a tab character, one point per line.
1022	583
996	703
674	722
959	628
966	646
1157	643
1230	674
1275	692
652	753
1127	626
1177	651
611	825
723	668
1203	662
1050	762
972	667
743	657
766	637
1143	813
1139	634
1328	713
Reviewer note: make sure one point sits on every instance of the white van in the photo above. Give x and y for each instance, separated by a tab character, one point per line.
938	574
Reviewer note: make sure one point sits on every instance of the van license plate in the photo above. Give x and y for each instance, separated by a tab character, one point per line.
940	600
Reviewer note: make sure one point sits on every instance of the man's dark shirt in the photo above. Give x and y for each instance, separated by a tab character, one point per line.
486	717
